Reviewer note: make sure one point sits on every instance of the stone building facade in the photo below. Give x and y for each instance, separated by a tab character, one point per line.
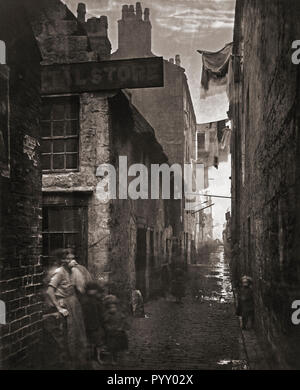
20	188
213	148
125	242
169	110
264	108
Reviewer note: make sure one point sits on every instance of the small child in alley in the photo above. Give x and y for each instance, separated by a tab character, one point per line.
178	285
245	306
92	308
115	326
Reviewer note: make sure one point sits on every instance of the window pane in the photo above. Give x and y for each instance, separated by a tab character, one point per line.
71	219
58	128
71	240
58	146
72	109
72	145
58	161
46	110
56	241
46	162
46	129
58	111
46	146
56	219
71	127
72	161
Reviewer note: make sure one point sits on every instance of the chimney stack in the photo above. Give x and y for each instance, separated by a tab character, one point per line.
81	12
134	35
96	29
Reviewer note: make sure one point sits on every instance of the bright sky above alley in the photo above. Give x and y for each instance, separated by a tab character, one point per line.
179	27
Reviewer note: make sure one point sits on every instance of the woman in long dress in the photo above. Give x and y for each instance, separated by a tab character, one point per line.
62	295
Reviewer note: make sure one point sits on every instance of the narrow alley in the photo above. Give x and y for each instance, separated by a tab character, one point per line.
201	333
149	185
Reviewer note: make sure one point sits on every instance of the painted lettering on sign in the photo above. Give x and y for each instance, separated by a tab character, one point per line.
105	75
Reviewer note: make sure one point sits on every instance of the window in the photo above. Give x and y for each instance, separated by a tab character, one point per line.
201	141
200	144
60	134
64	226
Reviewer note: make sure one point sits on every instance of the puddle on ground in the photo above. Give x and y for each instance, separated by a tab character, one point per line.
218	272
234	364
222	270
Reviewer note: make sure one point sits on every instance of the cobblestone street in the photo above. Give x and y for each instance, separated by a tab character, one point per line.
202	333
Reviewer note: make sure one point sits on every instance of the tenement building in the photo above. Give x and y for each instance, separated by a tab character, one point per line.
169	110
265	225
122	241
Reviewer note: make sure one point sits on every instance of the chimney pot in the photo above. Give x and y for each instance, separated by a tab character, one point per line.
81	12
104	21
139	11
147	15
125	11
171	60
178	60
131	11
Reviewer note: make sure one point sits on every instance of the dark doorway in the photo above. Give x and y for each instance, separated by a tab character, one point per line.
141	261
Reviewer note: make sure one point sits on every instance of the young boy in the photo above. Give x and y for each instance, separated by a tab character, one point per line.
245	307
92	308
115	326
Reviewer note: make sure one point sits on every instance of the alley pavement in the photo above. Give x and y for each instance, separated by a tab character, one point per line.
202	333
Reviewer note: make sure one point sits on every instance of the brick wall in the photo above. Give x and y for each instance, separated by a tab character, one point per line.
20	207
265	111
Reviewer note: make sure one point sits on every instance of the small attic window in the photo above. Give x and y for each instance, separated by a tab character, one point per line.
2	53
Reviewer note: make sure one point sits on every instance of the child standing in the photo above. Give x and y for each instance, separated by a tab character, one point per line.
245	307
92	309
178	285
115	326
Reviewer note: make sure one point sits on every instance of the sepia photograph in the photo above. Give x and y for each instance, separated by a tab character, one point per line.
149	172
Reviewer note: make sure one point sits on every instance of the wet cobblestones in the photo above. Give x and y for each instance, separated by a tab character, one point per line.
201	333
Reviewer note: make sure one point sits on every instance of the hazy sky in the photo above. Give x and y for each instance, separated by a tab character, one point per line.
179	27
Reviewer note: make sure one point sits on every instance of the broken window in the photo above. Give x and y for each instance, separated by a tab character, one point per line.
60	134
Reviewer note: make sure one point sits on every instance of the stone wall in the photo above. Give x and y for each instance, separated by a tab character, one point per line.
110	127
265	112
133	137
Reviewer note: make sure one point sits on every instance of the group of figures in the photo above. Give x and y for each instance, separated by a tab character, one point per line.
83	324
